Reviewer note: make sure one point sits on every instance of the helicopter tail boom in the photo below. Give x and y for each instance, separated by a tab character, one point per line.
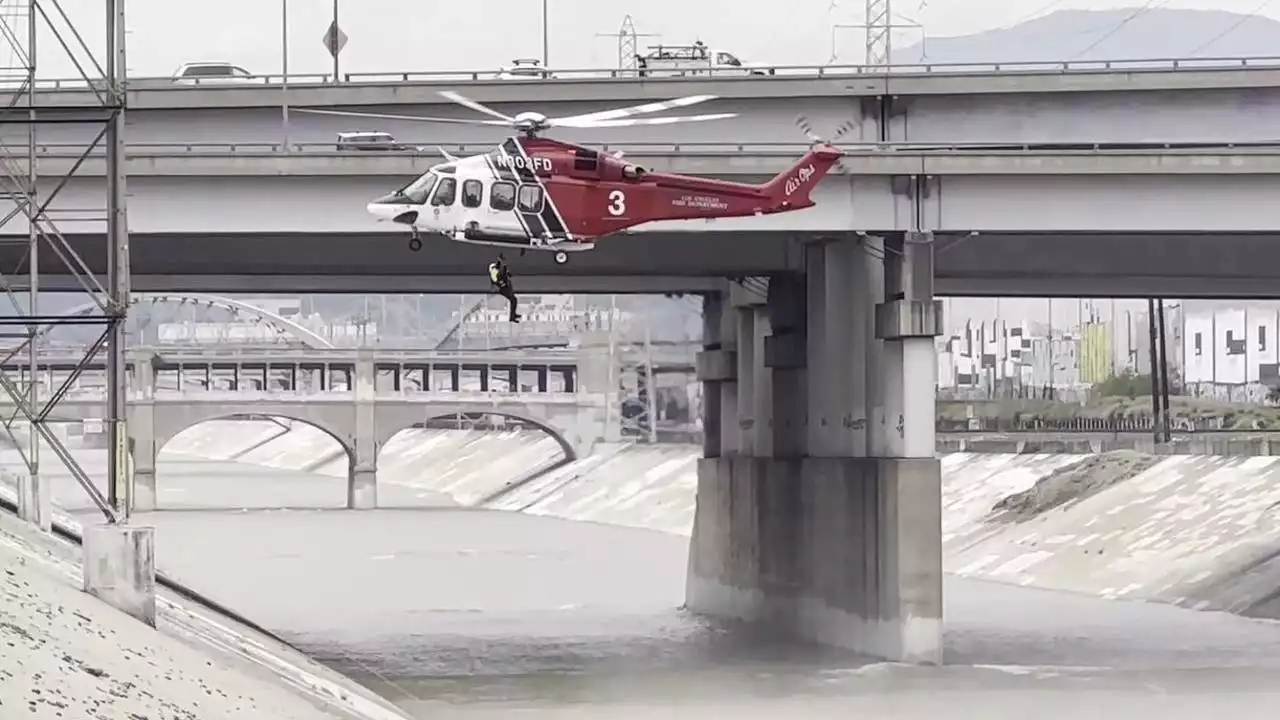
790	189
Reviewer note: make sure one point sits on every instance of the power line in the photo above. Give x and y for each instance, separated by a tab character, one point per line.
1233	27
1036	13
1147	7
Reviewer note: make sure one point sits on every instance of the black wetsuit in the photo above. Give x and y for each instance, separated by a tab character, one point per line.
500	277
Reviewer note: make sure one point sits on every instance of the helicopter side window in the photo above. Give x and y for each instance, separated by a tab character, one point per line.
472	192
502	196
530	198
446	193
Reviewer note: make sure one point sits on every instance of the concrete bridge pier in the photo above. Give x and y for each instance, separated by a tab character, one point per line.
141	431
818	509
363	446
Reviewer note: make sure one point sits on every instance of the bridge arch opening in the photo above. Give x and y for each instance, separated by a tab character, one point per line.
252	461
466	459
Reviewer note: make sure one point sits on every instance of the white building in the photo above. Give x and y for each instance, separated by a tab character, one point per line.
1231	343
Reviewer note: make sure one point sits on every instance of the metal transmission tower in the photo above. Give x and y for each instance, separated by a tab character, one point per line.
878	26
37	201
628	51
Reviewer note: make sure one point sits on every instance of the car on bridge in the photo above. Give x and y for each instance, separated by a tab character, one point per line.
211	73
369	140
525	69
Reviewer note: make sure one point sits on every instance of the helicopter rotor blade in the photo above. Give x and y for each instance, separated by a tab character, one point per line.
413	118
627	112
473	105
631	122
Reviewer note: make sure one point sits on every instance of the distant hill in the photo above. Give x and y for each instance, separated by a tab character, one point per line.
1069	35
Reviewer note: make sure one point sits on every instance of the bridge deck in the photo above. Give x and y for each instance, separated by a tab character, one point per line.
1203	265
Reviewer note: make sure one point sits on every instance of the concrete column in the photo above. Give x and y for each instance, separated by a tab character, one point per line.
819	405
747	377
120	568
726	364
872	355
143	444
841	547
839	336
717	366
908	321
784	358
910	477
362	479
598	375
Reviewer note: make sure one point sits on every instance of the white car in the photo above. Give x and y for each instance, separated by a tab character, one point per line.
525	69
212	73
369	140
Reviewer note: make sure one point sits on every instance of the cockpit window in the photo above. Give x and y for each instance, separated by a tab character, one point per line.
728	59
419	190
446	193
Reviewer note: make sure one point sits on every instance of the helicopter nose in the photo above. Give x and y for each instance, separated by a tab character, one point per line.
387	207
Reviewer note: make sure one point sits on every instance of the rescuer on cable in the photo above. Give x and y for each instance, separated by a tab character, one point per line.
500	278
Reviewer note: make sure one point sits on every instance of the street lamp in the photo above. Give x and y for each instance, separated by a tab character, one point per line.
284	71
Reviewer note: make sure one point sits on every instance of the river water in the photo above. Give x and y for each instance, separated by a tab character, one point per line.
476	614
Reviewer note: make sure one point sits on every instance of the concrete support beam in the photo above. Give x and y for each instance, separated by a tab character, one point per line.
120	568
362	477
908	321
826	549
827	528
725	322
785	363
749	293
716	366
143	444
839	342
598	374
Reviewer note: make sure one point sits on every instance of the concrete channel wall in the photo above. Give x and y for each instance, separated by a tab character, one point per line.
70	654
1194	530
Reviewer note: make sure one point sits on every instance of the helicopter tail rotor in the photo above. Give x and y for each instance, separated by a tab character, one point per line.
845	128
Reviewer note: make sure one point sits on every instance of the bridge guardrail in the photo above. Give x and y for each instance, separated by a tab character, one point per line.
690	149
614	74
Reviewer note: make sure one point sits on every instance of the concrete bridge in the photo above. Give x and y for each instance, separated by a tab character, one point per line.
1184	221
359	398
1131	101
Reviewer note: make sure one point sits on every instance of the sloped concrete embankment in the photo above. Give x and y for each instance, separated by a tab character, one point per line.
1197	531
68	654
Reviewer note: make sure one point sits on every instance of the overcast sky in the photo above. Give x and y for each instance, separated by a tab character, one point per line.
400	35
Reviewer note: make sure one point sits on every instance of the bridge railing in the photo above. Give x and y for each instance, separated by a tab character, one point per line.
747	74
312	394
688	149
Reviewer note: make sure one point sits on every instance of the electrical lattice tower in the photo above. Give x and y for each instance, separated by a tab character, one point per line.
879	27
628	49
61	230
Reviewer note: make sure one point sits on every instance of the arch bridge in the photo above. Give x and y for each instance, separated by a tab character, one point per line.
361	414
283	326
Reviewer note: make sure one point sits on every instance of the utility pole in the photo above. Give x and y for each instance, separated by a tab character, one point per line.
545	36
337	44
284	71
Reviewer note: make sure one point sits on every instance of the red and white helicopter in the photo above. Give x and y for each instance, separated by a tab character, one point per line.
536	193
